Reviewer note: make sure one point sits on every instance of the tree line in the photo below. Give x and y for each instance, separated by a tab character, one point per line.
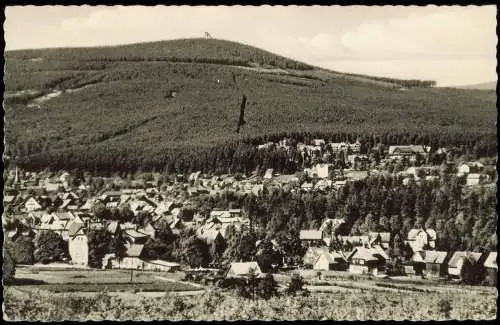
232	156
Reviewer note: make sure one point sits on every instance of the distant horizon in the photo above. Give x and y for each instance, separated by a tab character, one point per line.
406	42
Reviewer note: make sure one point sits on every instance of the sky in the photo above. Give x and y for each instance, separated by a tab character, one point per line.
453	45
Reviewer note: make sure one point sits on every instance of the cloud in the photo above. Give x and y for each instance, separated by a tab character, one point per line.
316	35
469	32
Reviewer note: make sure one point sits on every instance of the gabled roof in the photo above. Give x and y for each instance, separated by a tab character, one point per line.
210	236
113	227
134	233
135	250
434	257
331	257
75	228
88	204
406	149
363	253
457	256
243	268
413	233
8	198
491	261
311	235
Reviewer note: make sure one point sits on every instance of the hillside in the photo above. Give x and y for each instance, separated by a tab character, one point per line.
483	86
85	101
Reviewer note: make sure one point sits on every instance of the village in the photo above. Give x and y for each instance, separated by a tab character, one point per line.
72	207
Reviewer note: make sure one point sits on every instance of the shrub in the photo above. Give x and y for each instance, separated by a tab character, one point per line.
444	307
267	287
295	285
8	267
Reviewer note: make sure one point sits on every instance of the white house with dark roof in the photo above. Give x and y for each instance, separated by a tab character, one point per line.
421	239
365	260
331	261
491	266
470	167
132	259
78	246
476	179
456	262
32	204
135	237
430	263
410	151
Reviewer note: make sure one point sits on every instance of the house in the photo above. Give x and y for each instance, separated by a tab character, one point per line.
213	237
411	152
243	269
131	260
87	205
490	264
8	199
57	222
339	184
149	230
421	239
311	256
365	260
265	145
114	227
111	196
323	185
338	146
135	237
330	261
32	204
193	177
380	238
318	142
476	179
128	225
352	159
78	245
322	170
53	187
163	266
235	213
311	236
355	147
455	265
433	264
469	168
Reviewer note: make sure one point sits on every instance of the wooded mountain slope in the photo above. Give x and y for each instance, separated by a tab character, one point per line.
116	99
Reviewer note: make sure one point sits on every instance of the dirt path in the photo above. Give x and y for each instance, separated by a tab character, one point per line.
183	282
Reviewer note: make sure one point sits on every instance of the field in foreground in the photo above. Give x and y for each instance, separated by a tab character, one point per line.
91	280
215	305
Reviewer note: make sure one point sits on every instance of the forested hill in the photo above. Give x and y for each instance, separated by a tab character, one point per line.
112	105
